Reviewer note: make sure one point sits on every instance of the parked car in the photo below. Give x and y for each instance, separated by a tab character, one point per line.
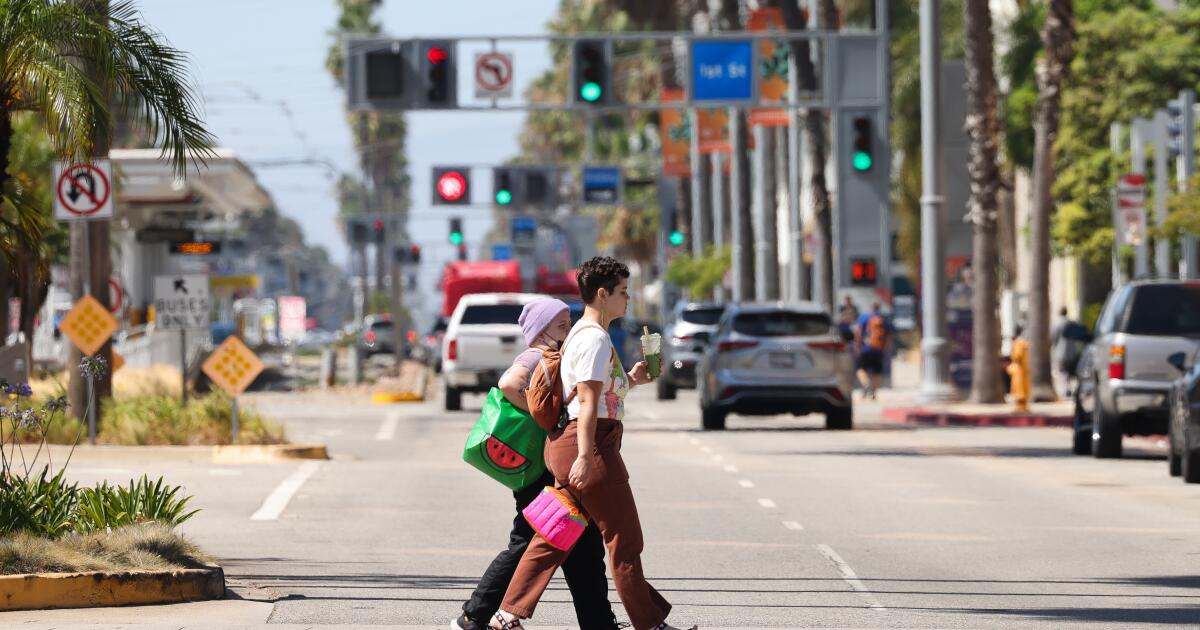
378	335
684	341
1124	377
1183	427
482	337
433	344
768	359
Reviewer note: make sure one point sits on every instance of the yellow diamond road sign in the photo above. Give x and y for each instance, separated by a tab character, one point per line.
232	366
88	325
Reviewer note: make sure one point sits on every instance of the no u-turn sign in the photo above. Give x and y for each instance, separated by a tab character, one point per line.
83	190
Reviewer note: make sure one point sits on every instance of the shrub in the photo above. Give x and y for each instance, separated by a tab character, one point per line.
142	546
43	504
158	420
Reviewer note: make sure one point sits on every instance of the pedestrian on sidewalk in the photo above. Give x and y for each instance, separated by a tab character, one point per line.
873	337
585	457
847	317
1068	339
1018	371
544	322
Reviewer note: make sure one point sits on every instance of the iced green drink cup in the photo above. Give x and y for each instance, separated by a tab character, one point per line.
652	350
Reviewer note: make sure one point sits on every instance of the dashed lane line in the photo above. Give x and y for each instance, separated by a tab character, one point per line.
277	501
850	577
730	468
793	525
387	429
766	503
745	483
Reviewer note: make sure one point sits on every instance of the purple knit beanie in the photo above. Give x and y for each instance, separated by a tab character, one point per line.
537	315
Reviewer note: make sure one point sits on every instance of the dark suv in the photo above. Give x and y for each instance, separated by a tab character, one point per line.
1124	376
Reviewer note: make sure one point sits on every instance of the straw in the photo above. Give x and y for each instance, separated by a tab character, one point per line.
646	330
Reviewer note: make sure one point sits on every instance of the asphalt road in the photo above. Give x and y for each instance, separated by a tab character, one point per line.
773	523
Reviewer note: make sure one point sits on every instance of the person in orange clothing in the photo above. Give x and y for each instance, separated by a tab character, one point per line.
1018	370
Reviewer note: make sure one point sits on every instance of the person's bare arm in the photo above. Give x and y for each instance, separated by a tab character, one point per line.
512	385
588	393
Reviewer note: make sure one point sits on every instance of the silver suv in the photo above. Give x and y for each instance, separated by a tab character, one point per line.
768	359
684	341
1124	377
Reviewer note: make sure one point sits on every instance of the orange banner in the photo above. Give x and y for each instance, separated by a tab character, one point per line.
772	68
676	136
714	131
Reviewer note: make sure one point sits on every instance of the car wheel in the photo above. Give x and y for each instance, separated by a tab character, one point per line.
839	419
453	399
712	419
1106	434
1082	430
665	390
1189	465
1174	462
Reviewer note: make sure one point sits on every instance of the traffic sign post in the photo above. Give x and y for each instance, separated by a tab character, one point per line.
232	367
83	190
89	325
181	302
1129	211
493	75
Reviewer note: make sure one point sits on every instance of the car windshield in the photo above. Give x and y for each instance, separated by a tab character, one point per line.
1165	310
492	314
702	316
381	325
781	324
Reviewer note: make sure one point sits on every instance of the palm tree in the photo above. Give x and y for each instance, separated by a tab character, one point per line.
63	60
1058	36
983	129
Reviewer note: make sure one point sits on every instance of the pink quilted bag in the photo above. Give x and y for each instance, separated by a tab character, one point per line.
553	515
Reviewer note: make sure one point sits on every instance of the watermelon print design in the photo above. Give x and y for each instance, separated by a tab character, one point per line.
618	388
502	457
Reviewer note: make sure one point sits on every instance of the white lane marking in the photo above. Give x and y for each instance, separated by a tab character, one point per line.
277	501
705	449
767	503
849	576
718	458
793	525
387	429
650	415
730	468
693	441
745	483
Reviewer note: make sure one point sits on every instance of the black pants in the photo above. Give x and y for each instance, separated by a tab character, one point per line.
583	570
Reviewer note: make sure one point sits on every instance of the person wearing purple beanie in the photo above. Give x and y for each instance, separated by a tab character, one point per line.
545	323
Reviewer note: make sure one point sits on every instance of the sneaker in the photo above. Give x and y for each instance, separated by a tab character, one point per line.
463	622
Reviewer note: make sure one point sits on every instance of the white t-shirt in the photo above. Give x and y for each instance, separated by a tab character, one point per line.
588	356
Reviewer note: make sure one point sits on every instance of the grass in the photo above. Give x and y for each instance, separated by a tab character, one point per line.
145	546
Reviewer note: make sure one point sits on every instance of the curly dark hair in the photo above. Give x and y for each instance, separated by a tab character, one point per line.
600	272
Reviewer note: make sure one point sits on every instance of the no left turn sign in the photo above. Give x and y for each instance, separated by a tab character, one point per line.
83	190
493	75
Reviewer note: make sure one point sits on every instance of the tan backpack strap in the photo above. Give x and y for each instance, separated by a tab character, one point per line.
562	352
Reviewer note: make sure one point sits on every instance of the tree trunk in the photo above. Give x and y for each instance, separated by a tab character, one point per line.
983	130
6	276
1058	35
6	133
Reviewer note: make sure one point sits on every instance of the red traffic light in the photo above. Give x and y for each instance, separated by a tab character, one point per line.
378	225
451	186
863	271
436	54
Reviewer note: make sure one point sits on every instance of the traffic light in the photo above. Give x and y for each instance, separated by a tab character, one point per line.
537	188
414	254
380	231
1181	129
676	238
503	185
451	185
592	71
357	230
462	251
456	232
860	155
437	64
863	272
385	72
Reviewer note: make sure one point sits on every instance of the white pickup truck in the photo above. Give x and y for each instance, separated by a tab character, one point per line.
482	339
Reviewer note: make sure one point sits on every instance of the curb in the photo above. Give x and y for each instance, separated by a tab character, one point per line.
36	591
254	453
944	418
396	397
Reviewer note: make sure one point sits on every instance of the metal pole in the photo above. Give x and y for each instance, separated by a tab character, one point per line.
589	135
718	205
697	233
935	381
797	287
233	415
759	208
735	203
1162	245
1114	144
91	410
1187	168
1139	129
183	363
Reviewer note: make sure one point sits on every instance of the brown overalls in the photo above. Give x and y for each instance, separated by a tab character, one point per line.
607	499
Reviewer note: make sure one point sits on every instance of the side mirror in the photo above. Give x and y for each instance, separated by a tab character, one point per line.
1179	361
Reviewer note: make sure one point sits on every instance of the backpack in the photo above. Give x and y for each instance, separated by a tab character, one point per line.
544	394
876	332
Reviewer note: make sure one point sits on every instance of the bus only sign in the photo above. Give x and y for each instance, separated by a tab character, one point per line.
181	302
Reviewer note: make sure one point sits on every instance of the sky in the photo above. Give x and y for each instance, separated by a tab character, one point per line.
260	68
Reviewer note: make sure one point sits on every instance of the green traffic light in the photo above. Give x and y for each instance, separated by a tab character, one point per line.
503	197
590	91
862	161
676	238
456	238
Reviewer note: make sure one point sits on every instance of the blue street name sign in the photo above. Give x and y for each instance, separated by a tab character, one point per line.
601	184
502	251
524	229
722	70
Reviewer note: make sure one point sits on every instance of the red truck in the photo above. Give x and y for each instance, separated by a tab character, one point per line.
486	276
